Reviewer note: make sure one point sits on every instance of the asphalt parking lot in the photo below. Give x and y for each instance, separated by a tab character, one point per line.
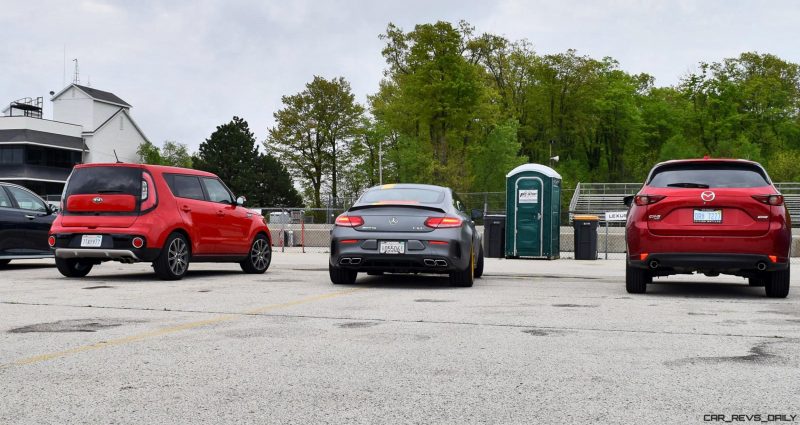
531	342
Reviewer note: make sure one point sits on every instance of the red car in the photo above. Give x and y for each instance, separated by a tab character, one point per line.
711	216
165	215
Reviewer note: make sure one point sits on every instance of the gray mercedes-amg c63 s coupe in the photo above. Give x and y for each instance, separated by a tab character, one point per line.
407	228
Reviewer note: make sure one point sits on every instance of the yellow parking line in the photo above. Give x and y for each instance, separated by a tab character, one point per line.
172	329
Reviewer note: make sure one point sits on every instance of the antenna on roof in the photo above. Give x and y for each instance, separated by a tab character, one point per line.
76	79
115	156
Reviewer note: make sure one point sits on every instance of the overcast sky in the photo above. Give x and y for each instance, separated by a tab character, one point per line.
188	66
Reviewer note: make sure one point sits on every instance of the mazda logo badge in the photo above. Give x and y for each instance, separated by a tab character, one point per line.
707	196
393	221
97	200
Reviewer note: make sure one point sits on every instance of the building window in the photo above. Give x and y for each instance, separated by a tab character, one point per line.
11	155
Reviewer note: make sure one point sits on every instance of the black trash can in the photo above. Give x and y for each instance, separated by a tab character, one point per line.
494	236
585	227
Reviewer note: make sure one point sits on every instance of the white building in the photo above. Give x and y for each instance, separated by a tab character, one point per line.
88	125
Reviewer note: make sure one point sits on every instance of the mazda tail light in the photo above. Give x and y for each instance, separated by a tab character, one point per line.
642	200
775	200
443	222
345	220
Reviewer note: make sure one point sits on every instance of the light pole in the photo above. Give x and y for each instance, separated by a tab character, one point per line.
380	161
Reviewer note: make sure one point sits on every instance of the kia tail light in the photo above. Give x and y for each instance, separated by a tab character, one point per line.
443	222
345	220
775	200
149	197
642	200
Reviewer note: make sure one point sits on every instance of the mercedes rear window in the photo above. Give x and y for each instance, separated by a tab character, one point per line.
709	175
105	180
402	196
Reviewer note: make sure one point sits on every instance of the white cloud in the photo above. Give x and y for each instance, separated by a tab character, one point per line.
188	66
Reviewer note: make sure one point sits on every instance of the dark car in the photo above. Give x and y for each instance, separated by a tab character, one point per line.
712	216
25	220
407	228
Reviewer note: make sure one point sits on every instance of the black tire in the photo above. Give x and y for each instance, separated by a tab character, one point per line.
4	263
757	281
340	276
777	284
259	257
173	261
464	278
73	267
636	280
479	264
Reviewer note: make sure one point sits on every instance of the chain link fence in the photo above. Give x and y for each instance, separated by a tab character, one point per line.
308	229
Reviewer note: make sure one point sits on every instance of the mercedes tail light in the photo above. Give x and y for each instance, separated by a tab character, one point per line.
775	200
443	222
642	200
345	220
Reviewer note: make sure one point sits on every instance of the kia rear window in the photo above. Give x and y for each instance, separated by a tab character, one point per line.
708	176
402	196
185	187
105	180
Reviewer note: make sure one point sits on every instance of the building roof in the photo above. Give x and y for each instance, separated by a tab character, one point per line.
100	95
539	168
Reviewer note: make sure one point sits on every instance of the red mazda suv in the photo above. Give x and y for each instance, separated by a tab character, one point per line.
709	216
165	215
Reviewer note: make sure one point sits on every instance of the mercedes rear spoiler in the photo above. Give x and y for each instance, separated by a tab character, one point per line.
396	205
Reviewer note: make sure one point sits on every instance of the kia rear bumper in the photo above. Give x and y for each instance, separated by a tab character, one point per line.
668	263
115	247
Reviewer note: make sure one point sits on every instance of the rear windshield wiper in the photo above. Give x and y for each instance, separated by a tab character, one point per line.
697	185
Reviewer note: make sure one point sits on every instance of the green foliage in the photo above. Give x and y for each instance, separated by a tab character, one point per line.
149	153
314	132
461	109
172	153
231	153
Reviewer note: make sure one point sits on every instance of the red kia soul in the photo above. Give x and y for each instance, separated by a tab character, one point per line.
165	215
711	216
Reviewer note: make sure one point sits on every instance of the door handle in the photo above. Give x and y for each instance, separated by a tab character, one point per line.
30	217
186	208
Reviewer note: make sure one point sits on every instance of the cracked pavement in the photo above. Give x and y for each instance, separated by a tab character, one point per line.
531	342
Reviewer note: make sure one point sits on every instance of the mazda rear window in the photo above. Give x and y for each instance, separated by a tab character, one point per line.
402	196
105	180
708	175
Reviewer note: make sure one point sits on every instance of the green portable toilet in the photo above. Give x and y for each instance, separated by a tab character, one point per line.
533	211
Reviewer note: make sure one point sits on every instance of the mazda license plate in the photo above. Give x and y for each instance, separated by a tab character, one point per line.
708	216
391	247
91	241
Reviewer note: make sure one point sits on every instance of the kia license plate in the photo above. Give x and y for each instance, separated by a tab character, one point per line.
91	241
708	216
390	247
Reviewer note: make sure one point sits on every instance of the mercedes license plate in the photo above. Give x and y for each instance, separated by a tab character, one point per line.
388	247
91	241
708	216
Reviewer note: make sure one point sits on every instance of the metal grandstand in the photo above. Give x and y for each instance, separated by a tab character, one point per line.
597	198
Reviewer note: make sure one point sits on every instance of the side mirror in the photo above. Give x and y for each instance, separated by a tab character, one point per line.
476	214
240	200
51	209
628	200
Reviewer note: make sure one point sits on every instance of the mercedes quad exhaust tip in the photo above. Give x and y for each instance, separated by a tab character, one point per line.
430	262
352	261
441	263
